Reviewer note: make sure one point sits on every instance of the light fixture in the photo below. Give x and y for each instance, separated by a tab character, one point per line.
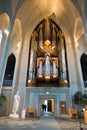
47	92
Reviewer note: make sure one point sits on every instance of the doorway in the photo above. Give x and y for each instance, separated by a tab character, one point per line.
49	103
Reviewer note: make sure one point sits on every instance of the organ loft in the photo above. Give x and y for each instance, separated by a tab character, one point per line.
47	61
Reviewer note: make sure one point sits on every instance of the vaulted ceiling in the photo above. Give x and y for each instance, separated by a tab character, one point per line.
31	12
63	11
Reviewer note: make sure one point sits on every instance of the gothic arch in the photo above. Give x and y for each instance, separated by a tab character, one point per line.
83	61
4	21
78	29
16	35
9	72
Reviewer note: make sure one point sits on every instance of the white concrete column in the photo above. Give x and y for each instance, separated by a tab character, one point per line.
3	60
2	44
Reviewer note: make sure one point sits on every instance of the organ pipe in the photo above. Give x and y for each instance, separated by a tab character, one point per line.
47	32
47	67
53	37
63	62
32	59
41	37
40	69
55	70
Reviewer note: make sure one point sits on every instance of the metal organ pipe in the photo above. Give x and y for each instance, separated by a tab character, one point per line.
32	61
47	32
53	37
41	37
55	70
47	67
40	69
63	64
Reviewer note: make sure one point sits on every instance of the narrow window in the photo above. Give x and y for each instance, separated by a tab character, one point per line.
83	61
9	72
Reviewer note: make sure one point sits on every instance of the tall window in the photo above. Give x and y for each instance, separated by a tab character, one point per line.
9	72
83	61
1	35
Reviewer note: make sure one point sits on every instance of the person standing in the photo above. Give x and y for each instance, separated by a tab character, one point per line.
42	107
45	107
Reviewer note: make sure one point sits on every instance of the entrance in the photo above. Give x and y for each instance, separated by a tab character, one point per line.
49	103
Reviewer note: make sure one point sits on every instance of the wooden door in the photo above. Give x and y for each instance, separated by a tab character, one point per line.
63	107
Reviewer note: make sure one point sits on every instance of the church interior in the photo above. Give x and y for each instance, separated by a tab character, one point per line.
43	53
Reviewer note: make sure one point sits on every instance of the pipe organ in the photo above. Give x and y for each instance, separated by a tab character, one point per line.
48	61
47	68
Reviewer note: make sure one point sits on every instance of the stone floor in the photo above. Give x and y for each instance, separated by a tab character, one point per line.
71	124
31	123
18	124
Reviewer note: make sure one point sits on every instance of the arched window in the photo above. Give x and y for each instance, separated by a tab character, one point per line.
9	72
1	35
83	61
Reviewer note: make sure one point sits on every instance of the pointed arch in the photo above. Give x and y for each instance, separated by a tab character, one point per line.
83	61
9	72
4	21
16	35
78	28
